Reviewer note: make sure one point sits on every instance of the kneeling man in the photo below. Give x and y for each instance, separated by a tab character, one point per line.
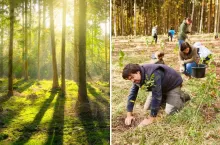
165	84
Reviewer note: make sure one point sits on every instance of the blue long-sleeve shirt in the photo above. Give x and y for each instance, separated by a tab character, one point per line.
172	32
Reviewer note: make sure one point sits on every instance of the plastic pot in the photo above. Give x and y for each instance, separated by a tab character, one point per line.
199	71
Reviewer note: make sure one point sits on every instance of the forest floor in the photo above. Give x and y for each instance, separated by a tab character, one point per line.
197	123
36	115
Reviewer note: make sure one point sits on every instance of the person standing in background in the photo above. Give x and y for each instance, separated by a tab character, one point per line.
154	33
183	30
171	34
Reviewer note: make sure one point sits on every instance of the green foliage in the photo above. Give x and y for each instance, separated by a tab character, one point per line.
176	48
149	82
121	58
162	45
149	41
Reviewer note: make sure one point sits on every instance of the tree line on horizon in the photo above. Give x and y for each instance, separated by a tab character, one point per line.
137	17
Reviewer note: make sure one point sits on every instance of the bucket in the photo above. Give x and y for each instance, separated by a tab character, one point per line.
199	71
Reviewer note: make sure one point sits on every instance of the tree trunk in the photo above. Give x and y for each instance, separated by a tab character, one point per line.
39	30
76	42
1	53
145	17
26	45
63	84
106	43
10	62
201	18
114	15
216	17
193	8
82	92
43	30
209	17
2	47
29	30
135	29
122	25
106	50
52	34
30	22
23	30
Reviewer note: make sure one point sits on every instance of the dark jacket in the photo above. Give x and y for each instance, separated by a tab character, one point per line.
170	80
183	30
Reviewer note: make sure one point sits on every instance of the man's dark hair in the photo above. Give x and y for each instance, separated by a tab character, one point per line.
189	19
185	45
130	69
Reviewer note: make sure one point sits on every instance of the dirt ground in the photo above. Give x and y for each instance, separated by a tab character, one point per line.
136	48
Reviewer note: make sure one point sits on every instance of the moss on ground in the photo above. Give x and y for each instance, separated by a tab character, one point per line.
37	115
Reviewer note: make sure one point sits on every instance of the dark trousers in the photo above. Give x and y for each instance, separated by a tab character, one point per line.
171	36
155	38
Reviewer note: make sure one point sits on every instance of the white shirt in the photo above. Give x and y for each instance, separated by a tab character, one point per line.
203	51
154	31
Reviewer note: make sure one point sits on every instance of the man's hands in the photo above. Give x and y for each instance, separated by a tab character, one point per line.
129	118
147	121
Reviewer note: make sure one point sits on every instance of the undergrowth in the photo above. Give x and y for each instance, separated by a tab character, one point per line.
37	115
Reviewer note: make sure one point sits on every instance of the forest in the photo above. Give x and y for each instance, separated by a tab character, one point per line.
137	17
132	24
54	72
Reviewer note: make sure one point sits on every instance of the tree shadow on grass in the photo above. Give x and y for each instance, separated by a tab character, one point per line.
92	90
4	98
84	113
22	85
55	131
29	130
102	113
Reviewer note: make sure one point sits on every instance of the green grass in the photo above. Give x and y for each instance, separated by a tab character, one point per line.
36	115
197	123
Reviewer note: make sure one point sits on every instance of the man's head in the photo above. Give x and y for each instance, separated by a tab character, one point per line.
188	20
185	48
132	72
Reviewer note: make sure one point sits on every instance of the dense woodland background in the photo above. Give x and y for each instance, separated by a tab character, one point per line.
33	39
54	72
137	17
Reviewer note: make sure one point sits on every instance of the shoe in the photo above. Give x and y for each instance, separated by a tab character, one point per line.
184	96
187	77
